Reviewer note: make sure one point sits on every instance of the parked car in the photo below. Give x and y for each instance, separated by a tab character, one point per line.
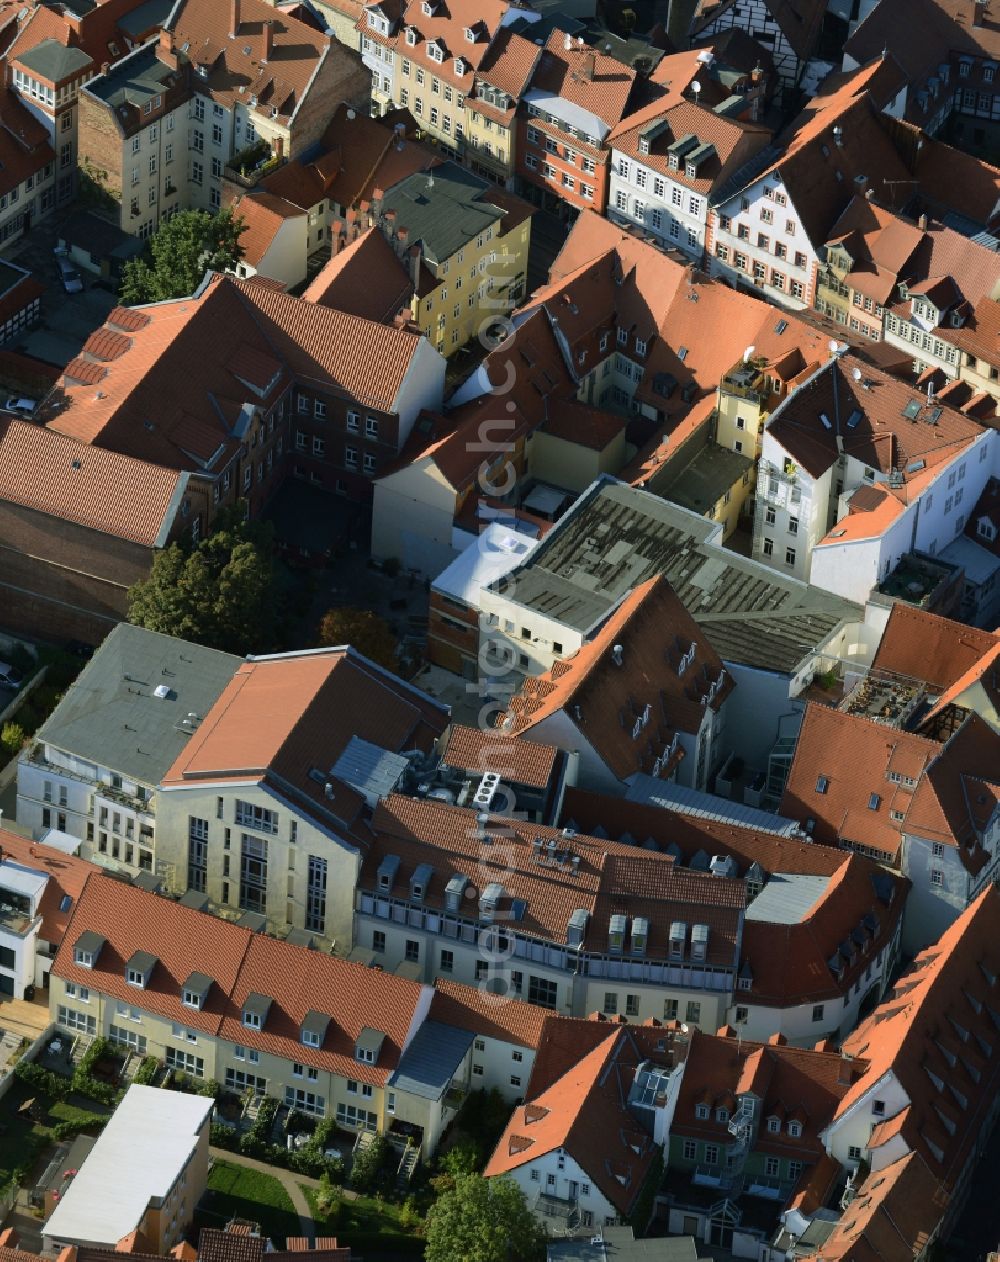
10	676
15	404
71	279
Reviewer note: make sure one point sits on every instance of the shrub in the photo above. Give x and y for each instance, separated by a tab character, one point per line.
85	1122
40	1079
146	1074
329	1200
92	1088
223	1136
368	1164
12	737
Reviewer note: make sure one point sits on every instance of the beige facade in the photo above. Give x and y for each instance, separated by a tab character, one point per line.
247	869
571	465
569	983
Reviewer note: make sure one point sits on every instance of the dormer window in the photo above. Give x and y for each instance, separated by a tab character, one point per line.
795	1129
373	21
195	991
87	949
986	530
460	66
773	1125
427	8
722	1115
435	52
411	36
623	337
470	35
616	935
254	1011
313	1029
419	882
387	870
368	1046
640	346
139	969
701	1112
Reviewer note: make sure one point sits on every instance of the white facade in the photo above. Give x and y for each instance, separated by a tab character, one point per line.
112	816
557	1175
755	17
846	1139
24	961
757	239
675	214
795	511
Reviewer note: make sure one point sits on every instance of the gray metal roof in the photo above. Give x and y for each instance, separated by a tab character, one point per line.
54	61
787	898
110	715
374	772
428	1065
442	209
617	536
199	983
652	791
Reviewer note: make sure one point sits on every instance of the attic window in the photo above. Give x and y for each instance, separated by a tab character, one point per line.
411	36
310	1038
435	52
365	1054
84	958
701	1112
66	902
251	1020
773	1125
795	1129
873	802
878	1108
985	529
822	784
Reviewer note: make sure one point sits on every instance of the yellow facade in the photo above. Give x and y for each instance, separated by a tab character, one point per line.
489	145
476	285
742	411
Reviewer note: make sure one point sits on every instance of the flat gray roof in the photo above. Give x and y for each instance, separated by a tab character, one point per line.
787	898
617	536
133	80
618	1244
111	716
705	479
145	17
440	208
430	1062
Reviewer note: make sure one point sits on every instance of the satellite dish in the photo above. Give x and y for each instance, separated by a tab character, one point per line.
856	374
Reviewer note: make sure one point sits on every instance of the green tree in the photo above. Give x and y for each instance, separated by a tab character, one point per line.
181	250
220	594
12	738
366	631
483	1220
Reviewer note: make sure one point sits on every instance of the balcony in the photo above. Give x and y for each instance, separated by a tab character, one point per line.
250	165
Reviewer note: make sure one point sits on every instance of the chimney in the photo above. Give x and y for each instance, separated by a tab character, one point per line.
234	18
415	253
105	67
618	654
756	74
978	12
164	50
838	136
268	40
922	223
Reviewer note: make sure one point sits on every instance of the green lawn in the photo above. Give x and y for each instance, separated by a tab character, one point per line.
240	1193
361	1220
23	1141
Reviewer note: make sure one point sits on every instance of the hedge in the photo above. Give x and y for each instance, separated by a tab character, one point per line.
41	1079
146	1074
70	1129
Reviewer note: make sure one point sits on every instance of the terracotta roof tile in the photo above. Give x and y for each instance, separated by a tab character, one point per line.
583	1114
263	216
489	1016
928	1033
893	1217
239	70
102	490
446	26
366	278
522	761
291	717
631	712
787	964
924	646
508	64
67	875
610	877
592	80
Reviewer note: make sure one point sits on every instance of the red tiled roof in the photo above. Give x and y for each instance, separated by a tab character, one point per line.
292	716
67	875
925	646
933	1036
607	700
786	964
263	216
239	70
522	761
892	1218
487	1015
446	26
596	82
582	1113
366	278
98	489
368	361
610	877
